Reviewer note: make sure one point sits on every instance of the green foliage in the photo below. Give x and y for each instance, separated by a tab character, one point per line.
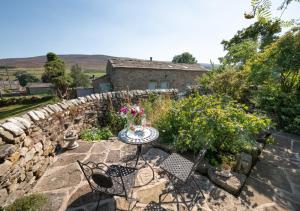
184	58
220	123
228	81
6	101
79	78
95	134
24	78
55	73
155	107
275	73
248	41
33	202
115	122
261	9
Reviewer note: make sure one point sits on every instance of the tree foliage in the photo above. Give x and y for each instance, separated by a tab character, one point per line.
247	42
184	58
261	9
276	75
79	78
24	78
55	73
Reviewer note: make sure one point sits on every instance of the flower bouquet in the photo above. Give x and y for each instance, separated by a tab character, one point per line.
134	116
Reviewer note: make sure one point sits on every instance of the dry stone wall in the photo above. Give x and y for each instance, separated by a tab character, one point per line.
29	143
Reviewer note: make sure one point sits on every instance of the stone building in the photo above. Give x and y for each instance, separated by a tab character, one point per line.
123	74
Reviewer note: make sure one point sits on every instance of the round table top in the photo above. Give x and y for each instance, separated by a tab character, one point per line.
139	136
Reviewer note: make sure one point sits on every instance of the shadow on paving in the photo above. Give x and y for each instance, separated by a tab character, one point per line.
272	181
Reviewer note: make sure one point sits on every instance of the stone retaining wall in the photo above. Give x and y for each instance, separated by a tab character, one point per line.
28	143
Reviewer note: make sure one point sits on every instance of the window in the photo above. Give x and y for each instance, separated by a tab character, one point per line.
164	84
152	85
104	87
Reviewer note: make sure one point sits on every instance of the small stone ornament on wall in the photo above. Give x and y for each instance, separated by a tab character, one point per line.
71	137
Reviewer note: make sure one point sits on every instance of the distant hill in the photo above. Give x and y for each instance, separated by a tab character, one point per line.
97	62
93	62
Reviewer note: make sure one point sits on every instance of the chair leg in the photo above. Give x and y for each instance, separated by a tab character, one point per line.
198	187
98	201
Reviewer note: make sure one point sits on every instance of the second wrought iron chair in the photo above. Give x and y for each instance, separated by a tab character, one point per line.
180	172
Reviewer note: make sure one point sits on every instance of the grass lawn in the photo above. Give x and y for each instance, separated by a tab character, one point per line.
13	110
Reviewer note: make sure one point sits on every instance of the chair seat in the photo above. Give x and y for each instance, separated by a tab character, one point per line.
128	175
153	206
177	166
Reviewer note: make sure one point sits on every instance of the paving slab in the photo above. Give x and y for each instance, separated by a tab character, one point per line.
273	183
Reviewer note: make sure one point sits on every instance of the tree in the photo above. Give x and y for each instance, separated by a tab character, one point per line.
249	41
184	58
24	78
54	67
275	73
261	9
79	78
55	73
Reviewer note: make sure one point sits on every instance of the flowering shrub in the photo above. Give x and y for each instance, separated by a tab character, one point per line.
220	123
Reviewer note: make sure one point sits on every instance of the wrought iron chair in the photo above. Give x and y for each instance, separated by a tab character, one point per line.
180	172
113	180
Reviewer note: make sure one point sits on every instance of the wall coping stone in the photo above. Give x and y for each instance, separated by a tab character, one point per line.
14	121
33	116
23	121
13	128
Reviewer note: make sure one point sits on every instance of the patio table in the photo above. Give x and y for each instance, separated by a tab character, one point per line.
141	135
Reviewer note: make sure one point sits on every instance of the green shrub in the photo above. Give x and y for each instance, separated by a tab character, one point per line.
33	202
95	134
220	123
115	122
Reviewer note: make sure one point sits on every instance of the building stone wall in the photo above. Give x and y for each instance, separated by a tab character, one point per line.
125	78
29	143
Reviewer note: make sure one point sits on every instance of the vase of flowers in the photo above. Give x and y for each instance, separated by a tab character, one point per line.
134	116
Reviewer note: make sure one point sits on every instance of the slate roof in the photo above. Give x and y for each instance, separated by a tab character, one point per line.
159	65
39	85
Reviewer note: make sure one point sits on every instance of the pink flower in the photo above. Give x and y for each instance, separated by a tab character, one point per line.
133	111
123	110
142	111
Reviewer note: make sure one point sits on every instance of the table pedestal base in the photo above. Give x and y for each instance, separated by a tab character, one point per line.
136	160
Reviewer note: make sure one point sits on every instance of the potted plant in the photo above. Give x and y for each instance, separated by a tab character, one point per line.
71	137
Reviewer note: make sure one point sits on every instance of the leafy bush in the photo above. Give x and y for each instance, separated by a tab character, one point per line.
220	123
228	81
115	122
32	202
95	134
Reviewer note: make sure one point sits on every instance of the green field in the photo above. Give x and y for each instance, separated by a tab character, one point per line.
17	109
39	71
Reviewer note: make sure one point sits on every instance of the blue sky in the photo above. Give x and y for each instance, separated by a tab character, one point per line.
129	28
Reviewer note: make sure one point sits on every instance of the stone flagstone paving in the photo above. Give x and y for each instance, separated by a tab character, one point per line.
273	183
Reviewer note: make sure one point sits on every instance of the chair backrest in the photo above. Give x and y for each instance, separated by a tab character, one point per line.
90	169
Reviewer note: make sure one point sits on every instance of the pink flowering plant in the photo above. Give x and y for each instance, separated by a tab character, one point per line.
133	114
